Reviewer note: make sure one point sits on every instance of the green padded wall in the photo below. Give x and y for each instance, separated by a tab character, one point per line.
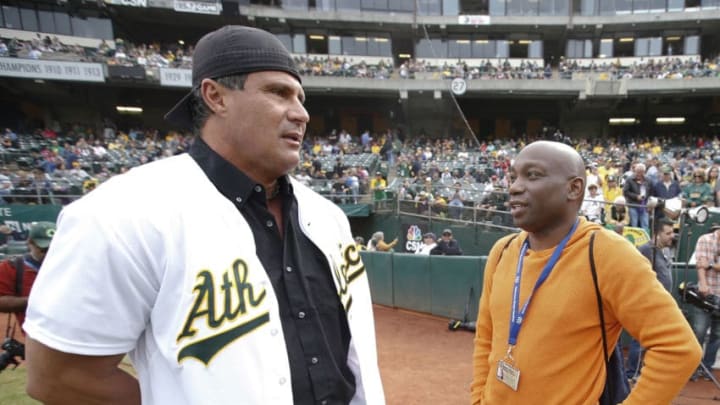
412	282
380	275
452	278
440	285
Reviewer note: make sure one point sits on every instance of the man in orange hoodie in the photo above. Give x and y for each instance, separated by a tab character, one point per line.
537	338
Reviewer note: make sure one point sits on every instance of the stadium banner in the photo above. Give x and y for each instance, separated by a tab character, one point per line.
474	19
198	6
52	70
638	236
411	235
131	3
19	217
175	77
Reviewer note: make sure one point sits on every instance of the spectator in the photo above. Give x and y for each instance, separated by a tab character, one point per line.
665	189
365	140
34	53
636	191
6	186
13	300
304	178
611	190
378	186
592	207
656	251
447	246
593	176
360	243
429	243
456	204
618	213
352	183
698	192
707	253
377	243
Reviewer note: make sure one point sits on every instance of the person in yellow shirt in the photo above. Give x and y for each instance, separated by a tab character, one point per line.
656	149
377	243
607	169
378	184
538	337
611	190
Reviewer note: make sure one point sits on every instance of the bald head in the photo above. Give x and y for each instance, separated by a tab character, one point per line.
548	187
567	158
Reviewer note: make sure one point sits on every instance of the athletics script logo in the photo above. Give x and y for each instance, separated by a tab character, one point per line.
349	270
224	308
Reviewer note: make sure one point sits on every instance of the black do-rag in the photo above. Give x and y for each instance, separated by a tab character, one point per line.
232	50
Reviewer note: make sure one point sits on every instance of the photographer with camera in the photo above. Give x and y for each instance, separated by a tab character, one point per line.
17	276
707	257
655	252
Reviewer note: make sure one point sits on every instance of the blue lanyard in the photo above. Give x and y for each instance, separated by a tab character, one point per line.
516	318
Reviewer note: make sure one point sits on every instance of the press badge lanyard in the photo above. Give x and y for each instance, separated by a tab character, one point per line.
507	373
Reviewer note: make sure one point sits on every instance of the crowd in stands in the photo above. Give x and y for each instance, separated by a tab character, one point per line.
343	67
179	55
148	55
652	68
486	70
52	166
629	179
41	48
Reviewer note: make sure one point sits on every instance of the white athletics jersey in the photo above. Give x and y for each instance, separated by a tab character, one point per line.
158	263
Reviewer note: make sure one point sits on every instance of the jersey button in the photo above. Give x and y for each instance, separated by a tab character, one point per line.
301	315
323	402
269	223
258	189
238	199
314	360
282	380
273	332
288	269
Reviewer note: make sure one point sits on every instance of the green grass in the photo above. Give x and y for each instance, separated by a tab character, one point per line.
12	387
12	384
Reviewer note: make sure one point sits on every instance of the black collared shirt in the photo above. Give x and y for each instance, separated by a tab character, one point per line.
313	321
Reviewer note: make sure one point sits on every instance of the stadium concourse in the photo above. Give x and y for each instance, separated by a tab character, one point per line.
422	362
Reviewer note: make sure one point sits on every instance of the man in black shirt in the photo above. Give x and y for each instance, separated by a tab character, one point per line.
255	292
447	245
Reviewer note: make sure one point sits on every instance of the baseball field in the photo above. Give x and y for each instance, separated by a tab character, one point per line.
421	362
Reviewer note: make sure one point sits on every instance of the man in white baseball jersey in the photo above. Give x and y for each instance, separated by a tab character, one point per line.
225	280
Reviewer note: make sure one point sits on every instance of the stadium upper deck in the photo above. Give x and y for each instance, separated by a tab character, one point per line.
596	44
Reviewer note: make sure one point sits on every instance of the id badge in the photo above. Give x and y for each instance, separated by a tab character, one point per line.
508	374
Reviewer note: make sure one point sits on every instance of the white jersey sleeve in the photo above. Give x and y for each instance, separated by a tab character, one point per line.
96	287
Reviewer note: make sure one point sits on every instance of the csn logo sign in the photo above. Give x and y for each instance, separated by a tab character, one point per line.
413	239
